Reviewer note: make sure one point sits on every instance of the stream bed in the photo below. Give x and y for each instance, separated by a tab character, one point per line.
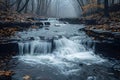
59	52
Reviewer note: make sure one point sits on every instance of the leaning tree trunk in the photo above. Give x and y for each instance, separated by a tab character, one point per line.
26	3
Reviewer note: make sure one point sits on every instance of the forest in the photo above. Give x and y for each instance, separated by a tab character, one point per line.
59	39
44	7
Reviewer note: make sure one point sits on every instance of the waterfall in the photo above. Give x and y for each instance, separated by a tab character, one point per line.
35	47
62	53
66	46
61	46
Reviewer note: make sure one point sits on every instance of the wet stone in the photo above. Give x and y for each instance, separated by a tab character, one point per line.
42	37
46	28
91	78
47	23
31	38
5	78
117	67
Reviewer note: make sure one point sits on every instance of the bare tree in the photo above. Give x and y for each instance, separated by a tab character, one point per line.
26	3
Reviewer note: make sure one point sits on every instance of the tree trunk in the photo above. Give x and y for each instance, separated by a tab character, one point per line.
18	4
24	5
106	7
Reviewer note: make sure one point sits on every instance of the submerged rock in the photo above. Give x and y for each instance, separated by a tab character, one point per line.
91	78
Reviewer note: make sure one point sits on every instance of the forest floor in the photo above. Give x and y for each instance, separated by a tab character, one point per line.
11	22
104	27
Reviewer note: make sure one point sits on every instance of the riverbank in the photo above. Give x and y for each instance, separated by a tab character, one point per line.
105	31
97	25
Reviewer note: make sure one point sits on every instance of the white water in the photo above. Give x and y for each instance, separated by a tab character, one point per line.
35	47
65	54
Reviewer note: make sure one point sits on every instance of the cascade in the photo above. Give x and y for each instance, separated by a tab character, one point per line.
61	46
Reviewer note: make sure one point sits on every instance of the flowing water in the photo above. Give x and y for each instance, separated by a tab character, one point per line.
59	57
63	53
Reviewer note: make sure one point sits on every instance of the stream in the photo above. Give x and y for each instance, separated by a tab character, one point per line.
59	52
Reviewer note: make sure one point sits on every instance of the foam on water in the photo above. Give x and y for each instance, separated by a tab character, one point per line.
66	55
